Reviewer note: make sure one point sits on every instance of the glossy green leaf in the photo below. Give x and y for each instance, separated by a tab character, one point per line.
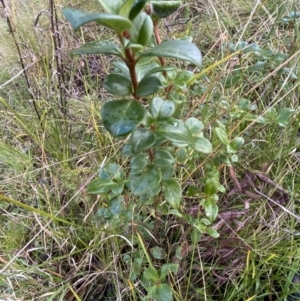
142	29
111	171
163	9
211	209
182	78
121	117
212	232
163	158
160	69
167	172
161	109
117	189
177	132
172	192
111	6
78	18
126	150
100	186
222	135
181	155
126	8
177	49
154	191
141	184
98	47
194	124
211	186
143	69
117	84
158	252
235	145
139	162
115	205
137	8
121	66
202	145
141	140
148	85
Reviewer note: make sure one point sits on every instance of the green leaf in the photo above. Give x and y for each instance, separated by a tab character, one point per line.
283	116
126	150
235	145
139	162
154	191
172	192
222	135
194	124
115	205
212	232
141	184
148	85
163	158
202	145
122	67
177	49
142	29
142	69
257	66
117	189
161	109
137	8
177	132
160	69
211	186
78	18
111	171
141	140
182	78
151	274
121	117
111	6
117	84
126	8
211	209
100	186
98	47
167	269
167	172
163	9
160	292
158	253
193	191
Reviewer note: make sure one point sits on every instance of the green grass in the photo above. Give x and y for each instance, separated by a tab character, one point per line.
53	246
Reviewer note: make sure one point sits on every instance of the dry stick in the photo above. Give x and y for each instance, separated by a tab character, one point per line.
56	55
279	205
11	30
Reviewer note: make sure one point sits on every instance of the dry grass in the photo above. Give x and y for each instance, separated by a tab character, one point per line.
53	247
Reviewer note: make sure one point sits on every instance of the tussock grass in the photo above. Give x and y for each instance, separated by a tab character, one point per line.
53	247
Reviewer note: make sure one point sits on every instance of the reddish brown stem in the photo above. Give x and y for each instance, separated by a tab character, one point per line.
130	62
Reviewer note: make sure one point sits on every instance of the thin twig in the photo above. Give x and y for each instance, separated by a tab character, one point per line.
11	30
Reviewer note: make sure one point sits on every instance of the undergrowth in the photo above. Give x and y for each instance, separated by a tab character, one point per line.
54	244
